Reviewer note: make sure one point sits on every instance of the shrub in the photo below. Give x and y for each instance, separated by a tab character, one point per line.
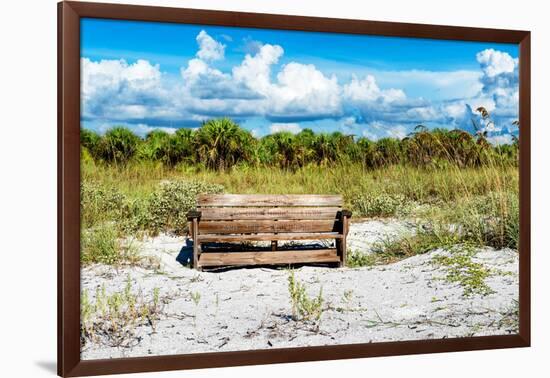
381	205
99	203
491	220
136	215
169	204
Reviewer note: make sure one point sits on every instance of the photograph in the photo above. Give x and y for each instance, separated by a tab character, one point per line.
251	189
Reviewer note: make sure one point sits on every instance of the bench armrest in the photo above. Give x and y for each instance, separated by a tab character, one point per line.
193	214
346	213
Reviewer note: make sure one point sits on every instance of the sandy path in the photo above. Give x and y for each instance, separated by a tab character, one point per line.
244	309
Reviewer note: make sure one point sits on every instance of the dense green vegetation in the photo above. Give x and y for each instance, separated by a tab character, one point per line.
221	144
460	186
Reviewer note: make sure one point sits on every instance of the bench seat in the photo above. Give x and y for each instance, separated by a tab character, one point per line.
269	258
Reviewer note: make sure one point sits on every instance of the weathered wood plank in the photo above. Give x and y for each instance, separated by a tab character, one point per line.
266	213
228	200
268	237
259	226
279	257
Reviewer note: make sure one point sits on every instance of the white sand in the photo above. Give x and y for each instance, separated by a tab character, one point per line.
249	308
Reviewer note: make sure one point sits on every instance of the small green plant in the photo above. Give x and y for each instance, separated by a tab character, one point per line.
303	307
86	313
347	298
348	295
423	241
196	297
113	318
510	318
102	245
99	245
356	259
156	297
462	270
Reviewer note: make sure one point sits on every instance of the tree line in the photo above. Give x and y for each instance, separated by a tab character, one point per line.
221	143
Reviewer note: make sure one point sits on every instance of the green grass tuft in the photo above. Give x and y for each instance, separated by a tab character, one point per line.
463	270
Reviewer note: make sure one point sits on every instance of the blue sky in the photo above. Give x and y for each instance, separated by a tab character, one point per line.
148	75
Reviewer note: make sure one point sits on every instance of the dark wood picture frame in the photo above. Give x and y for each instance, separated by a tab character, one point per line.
69	14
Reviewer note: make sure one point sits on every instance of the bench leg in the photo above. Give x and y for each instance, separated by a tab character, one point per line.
274	245
339	252
343	241
196	246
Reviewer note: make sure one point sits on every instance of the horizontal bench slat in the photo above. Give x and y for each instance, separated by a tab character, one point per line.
260	237
279	257
244	200
264	213
257	226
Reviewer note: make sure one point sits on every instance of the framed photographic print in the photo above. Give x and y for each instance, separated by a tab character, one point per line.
239	188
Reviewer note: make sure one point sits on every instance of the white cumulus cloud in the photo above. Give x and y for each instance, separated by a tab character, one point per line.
367	91
377	130
500	81
118	90
117	75
209	48
303	89
500	139
293	128
495	62
255	71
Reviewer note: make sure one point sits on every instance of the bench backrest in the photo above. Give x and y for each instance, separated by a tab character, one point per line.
259	213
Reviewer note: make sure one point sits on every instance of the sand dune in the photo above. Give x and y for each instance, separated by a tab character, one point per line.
242	309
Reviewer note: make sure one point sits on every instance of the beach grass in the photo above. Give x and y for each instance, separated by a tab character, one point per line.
475	204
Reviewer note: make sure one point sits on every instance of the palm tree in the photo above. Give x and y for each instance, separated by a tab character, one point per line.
221	143
90	140
366	149
421	146
118	145
304	145
280	149
180	147
387	152
324	148
154	146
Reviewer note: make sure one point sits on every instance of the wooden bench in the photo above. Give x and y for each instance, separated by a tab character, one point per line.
238	218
